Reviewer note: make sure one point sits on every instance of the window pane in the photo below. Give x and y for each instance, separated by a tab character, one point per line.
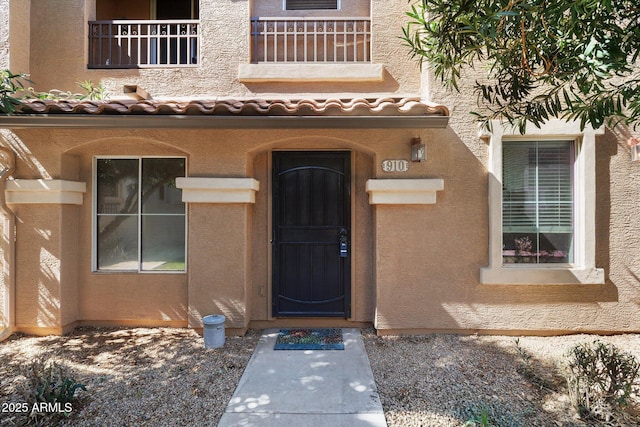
555	247
163	242
311	4
537	199
159	192
117	186
118	242
162	220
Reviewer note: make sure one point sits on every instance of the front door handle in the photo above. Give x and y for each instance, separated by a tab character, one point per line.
344	243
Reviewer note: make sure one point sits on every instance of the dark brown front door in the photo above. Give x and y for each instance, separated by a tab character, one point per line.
311	234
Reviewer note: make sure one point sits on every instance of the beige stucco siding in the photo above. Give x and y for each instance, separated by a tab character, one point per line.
429	255
14	35
415	268
225	41
46	274
228	250
350	8
219	263
58	47
6	290
4	34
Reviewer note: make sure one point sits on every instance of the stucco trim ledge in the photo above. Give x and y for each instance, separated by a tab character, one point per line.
403	191
331	72
218	190
44	191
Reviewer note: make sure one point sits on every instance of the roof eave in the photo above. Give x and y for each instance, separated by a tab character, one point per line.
80	121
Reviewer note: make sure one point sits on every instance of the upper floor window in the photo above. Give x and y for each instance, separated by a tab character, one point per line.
153	9
537	201
311	4
140	218
175	9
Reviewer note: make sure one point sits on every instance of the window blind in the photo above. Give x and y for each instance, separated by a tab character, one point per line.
537	187
311	4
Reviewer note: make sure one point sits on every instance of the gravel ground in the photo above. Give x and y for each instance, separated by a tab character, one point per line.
164	377
135	377
447	380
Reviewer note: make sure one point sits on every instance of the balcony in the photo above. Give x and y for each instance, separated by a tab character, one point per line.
311	40
284	49
143	43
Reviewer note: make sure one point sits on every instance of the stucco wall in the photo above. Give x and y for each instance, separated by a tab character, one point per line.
228	247
46	277
416	268
4	63
461	303
219	263
58	47
19	31
130	298
5	290
14	35
349	8
224	45
4	34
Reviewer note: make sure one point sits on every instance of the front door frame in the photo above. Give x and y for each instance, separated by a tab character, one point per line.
348	154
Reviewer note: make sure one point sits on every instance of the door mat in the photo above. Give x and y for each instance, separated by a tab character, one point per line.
309	339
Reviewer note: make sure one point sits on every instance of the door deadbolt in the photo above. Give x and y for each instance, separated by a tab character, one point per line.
344	245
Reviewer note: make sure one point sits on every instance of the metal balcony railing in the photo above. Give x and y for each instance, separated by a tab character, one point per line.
316	40
143	44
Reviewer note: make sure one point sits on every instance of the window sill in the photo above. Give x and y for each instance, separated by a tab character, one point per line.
541	276
306	72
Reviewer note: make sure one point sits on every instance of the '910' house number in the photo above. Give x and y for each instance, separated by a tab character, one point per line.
395	165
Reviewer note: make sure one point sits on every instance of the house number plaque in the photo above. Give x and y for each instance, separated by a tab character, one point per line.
395	165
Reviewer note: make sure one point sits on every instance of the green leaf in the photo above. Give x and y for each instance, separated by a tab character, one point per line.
582	48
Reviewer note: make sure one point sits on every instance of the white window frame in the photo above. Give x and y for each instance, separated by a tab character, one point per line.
94	220
582	270
284	6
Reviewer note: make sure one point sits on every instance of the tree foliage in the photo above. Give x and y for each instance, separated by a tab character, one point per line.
575	59
13	91
10	83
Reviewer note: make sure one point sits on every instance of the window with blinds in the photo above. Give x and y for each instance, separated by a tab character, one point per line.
537	201
310	4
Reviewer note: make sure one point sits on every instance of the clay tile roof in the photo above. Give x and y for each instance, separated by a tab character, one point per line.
408	107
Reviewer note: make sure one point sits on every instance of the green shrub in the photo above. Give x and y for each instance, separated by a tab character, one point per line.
530	370
479	419
600	378
49	386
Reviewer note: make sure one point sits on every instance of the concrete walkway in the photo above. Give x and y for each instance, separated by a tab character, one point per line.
306	387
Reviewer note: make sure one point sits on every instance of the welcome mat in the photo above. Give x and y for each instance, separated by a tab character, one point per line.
309	339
